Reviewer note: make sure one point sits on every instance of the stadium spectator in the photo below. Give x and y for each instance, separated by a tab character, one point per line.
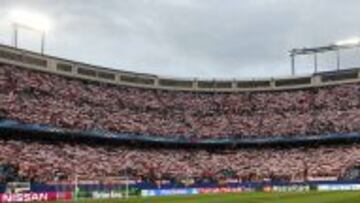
41	98
47	161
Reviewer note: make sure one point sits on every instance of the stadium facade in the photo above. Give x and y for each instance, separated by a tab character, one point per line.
54	65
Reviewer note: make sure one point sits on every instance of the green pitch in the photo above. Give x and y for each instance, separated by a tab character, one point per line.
311	197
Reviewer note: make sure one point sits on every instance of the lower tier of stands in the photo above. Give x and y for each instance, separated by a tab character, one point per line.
57	161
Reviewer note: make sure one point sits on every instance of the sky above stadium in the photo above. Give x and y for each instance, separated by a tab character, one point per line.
191	38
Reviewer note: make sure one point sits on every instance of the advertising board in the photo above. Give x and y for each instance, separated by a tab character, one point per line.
107	195
338	187
169	192
290	188
219	190
35	197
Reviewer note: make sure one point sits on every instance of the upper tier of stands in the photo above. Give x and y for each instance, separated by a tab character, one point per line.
23	58
40	98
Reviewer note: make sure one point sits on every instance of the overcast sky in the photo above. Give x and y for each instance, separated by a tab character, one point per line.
191	38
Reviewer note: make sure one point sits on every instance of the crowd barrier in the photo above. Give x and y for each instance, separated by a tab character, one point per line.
298	187
120	194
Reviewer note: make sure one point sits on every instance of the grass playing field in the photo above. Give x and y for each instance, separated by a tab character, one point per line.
310	197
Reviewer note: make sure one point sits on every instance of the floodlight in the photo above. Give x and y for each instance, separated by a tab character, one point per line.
30	19
348	42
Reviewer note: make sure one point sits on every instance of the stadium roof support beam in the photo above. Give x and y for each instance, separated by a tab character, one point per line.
17	26
337	46
30	21
338	60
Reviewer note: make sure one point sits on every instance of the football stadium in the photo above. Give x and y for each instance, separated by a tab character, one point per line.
72	131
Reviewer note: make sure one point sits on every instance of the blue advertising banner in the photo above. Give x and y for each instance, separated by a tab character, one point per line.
169	192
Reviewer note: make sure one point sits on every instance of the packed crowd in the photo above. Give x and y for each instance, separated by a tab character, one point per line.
41	98
50	161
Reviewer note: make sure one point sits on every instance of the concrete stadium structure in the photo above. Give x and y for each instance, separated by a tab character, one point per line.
55	65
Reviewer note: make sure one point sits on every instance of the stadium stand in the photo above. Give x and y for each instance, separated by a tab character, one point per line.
43	91
40	98
50	161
